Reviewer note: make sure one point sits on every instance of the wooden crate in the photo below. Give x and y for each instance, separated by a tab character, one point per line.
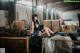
56	29
55	23
15	44
73	27
47	23
66	28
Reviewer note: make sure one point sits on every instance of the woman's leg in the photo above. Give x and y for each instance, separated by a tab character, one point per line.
41	33
50	31
47	31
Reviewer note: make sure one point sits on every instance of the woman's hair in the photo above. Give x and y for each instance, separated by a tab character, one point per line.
33	17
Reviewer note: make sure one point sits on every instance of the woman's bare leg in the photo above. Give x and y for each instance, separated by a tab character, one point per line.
41	33
47	31
50	31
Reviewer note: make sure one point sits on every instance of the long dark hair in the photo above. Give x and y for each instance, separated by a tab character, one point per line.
33	17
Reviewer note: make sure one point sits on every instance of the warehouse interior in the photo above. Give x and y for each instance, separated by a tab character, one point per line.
16	26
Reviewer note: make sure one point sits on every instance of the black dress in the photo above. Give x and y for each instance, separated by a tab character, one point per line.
36	47
37	29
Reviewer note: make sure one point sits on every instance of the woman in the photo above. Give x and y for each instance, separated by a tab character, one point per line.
36	30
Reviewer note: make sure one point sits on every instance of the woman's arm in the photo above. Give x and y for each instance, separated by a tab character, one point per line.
32	29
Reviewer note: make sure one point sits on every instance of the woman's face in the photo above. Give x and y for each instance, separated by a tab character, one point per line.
36	18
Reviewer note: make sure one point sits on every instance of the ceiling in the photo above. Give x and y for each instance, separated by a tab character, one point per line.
42	2
50	1
54	3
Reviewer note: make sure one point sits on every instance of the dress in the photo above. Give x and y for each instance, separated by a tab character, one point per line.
37	29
